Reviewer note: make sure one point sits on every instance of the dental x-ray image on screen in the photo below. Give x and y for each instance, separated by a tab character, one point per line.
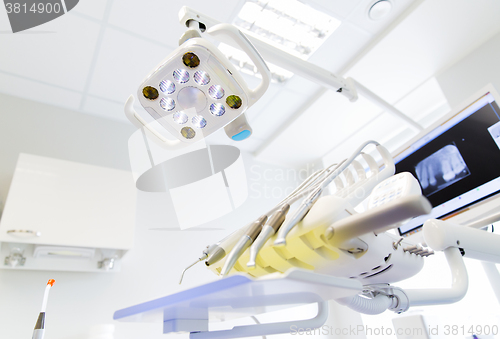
441	169
457	161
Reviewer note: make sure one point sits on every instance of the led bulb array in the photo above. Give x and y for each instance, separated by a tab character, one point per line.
190	87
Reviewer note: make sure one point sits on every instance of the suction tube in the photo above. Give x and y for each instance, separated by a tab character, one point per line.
376	305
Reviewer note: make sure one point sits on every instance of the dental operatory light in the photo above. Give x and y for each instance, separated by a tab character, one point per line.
196	90
287	24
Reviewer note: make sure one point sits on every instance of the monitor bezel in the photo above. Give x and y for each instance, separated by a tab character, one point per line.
469	208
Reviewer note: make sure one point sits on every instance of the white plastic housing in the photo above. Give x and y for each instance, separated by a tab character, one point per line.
221	73
194	98
399	185
64	215
476	244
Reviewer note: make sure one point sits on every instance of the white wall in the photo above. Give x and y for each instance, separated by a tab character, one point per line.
472	73
31	127
81	301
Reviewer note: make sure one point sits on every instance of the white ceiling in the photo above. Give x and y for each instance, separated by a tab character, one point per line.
93	58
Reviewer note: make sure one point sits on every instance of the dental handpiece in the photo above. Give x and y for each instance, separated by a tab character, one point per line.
206	252
300	213
242	244
225	246
267	232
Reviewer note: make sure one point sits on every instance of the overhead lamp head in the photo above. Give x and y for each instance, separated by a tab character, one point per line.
196	90
195	77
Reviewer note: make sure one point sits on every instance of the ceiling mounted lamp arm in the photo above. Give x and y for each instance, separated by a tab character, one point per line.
348	87
233	36
275	55
197	22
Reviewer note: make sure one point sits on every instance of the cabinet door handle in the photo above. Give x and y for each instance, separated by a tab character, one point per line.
24	233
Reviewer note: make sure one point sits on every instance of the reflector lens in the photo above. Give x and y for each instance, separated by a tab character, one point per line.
217	109
150	93
191	60
181	75
199	121
180	118
201	78
167	104
216	91
167	86
188	132
192	97
234	101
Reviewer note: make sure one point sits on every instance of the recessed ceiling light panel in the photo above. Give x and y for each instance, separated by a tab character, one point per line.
244	64
289	25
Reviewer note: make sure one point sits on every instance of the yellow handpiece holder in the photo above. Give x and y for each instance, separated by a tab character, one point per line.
307	247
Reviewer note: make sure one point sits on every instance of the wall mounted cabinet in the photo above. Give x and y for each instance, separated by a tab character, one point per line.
62	215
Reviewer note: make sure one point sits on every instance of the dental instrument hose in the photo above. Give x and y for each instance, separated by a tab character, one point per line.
307	203
311	188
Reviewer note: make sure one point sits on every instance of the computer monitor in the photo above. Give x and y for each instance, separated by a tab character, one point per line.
457	160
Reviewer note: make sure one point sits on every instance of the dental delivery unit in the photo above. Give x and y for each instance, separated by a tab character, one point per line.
317	244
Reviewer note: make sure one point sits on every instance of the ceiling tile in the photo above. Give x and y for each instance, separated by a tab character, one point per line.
277	113
423	100
37	91
4	23
105	109
360	17
342	46
158	20
58	52
263	103
92	8
329	121
123	63
341	9
382	129
434	36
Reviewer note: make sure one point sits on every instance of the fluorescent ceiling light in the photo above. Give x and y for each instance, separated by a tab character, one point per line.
287	24
243	63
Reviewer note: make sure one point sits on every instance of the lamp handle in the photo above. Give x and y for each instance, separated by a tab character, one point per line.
242	41
138	122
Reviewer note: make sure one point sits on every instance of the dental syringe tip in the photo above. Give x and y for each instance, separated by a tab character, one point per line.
51	282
